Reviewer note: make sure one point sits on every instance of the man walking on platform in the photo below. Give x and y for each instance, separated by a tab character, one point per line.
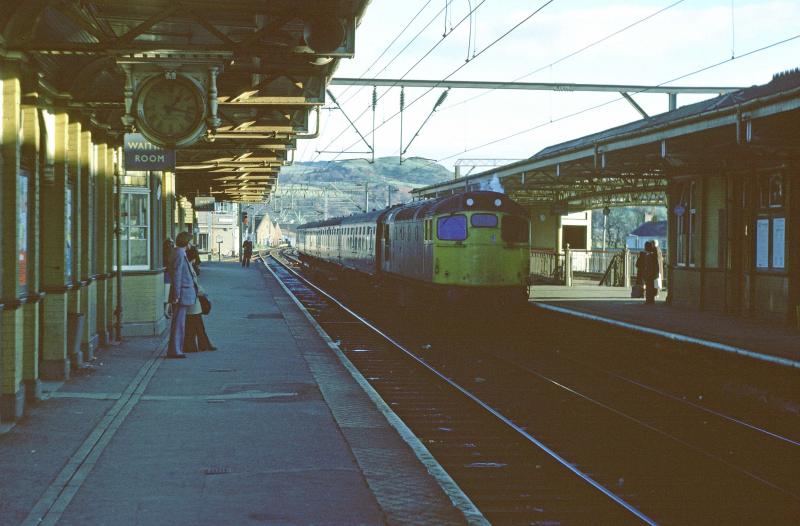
247	252
182	294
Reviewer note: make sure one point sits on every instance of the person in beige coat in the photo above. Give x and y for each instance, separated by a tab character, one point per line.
196	336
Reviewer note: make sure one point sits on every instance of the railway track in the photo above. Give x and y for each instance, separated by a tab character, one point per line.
546	439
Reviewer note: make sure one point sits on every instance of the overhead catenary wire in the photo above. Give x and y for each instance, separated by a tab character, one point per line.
374	99
433	48
382	70
618	99
494	42
386	49
316	156
548	66
572	54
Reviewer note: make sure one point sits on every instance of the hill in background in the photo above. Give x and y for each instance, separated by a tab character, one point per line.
413	173
314	190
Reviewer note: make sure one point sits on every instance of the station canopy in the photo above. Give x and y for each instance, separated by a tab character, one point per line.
755	128
271	62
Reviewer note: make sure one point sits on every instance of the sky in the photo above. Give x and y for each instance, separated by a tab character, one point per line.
643	42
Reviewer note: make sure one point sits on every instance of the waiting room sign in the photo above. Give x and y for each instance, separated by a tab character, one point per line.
141	155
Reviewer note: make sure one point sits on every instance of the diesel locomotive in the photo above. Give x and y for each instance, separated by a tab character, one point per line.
472	246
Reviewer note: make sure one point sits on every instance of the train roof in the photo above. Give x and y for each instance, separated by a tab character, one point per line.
369	217
481	200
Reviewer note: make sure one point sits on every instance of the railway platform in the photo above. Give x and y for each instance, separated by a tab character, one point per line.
761	340
272	428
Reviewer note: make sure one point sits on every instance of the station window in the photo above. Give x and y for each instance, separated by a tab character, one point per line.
452	228
770	227
770	191
686	224
135	235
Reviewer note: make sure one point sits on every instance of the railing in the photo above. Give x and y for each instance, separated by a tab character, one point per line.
608	267
592	263
547	266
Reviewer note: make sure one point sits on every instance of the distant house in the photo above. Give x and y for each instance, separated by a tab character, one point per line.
646	232
268	233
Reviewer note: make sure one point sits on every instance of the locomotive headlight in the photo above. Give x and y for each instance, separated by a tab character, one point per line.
470	201
497	202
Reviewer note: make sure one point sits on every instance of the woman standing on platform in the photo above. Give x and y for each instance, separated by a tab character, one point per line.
196	336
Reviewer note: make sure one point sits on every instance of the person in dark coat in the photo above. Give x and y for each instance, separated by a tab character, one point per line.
196	336
640	264
647	267
247	252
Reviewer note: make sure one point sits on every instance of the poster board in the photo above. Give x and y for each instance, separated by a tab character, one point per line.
778	242
762	243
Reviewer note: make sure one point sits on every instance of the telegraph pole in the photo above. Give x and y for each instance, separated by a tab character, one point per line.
402	107
374	105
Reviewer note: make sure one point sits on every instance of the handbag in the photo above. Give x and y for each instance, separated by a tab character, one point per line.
205	304
637	291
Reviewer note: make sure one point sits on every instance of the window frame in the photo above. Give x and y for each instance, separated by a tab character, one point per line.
439	221
771	209
484	214
125	227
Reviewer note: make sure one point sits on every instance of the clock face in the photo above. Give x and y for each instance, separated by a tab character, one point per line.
170	110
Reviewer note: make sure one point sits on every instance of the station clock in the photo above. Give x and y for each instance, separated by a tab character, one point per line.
170	110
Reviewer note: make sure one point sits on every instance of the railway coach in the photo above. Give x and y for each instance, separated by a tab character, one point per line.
466	247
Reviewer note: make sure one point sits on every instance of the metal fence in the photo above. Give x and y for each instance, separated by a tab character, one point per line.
608	267
547	266
592	263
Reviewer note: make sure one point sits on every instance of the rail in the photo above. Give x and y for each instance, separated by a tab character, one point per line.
423	402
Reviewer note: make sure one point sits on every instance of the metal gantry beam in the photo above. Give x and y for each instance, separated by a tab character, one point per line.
532	86
624	89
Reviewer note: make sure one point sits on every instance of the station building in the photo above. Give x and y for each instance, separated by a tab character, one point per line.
82	235
60	287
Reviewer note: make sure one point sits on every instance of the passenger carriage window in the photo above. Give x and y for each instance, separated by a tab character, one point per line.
484	220
452	228
514	229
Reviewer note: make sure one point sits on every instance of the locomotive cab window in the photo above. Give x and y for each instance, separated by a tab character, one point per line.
514	229
484	220
452	228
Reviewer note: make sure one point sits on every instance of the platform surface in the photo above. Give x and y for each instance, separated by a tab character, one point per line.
613	304
269	429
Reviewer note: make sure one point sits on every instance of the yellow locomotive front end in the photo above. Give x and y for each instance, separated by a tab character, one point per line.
481	249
